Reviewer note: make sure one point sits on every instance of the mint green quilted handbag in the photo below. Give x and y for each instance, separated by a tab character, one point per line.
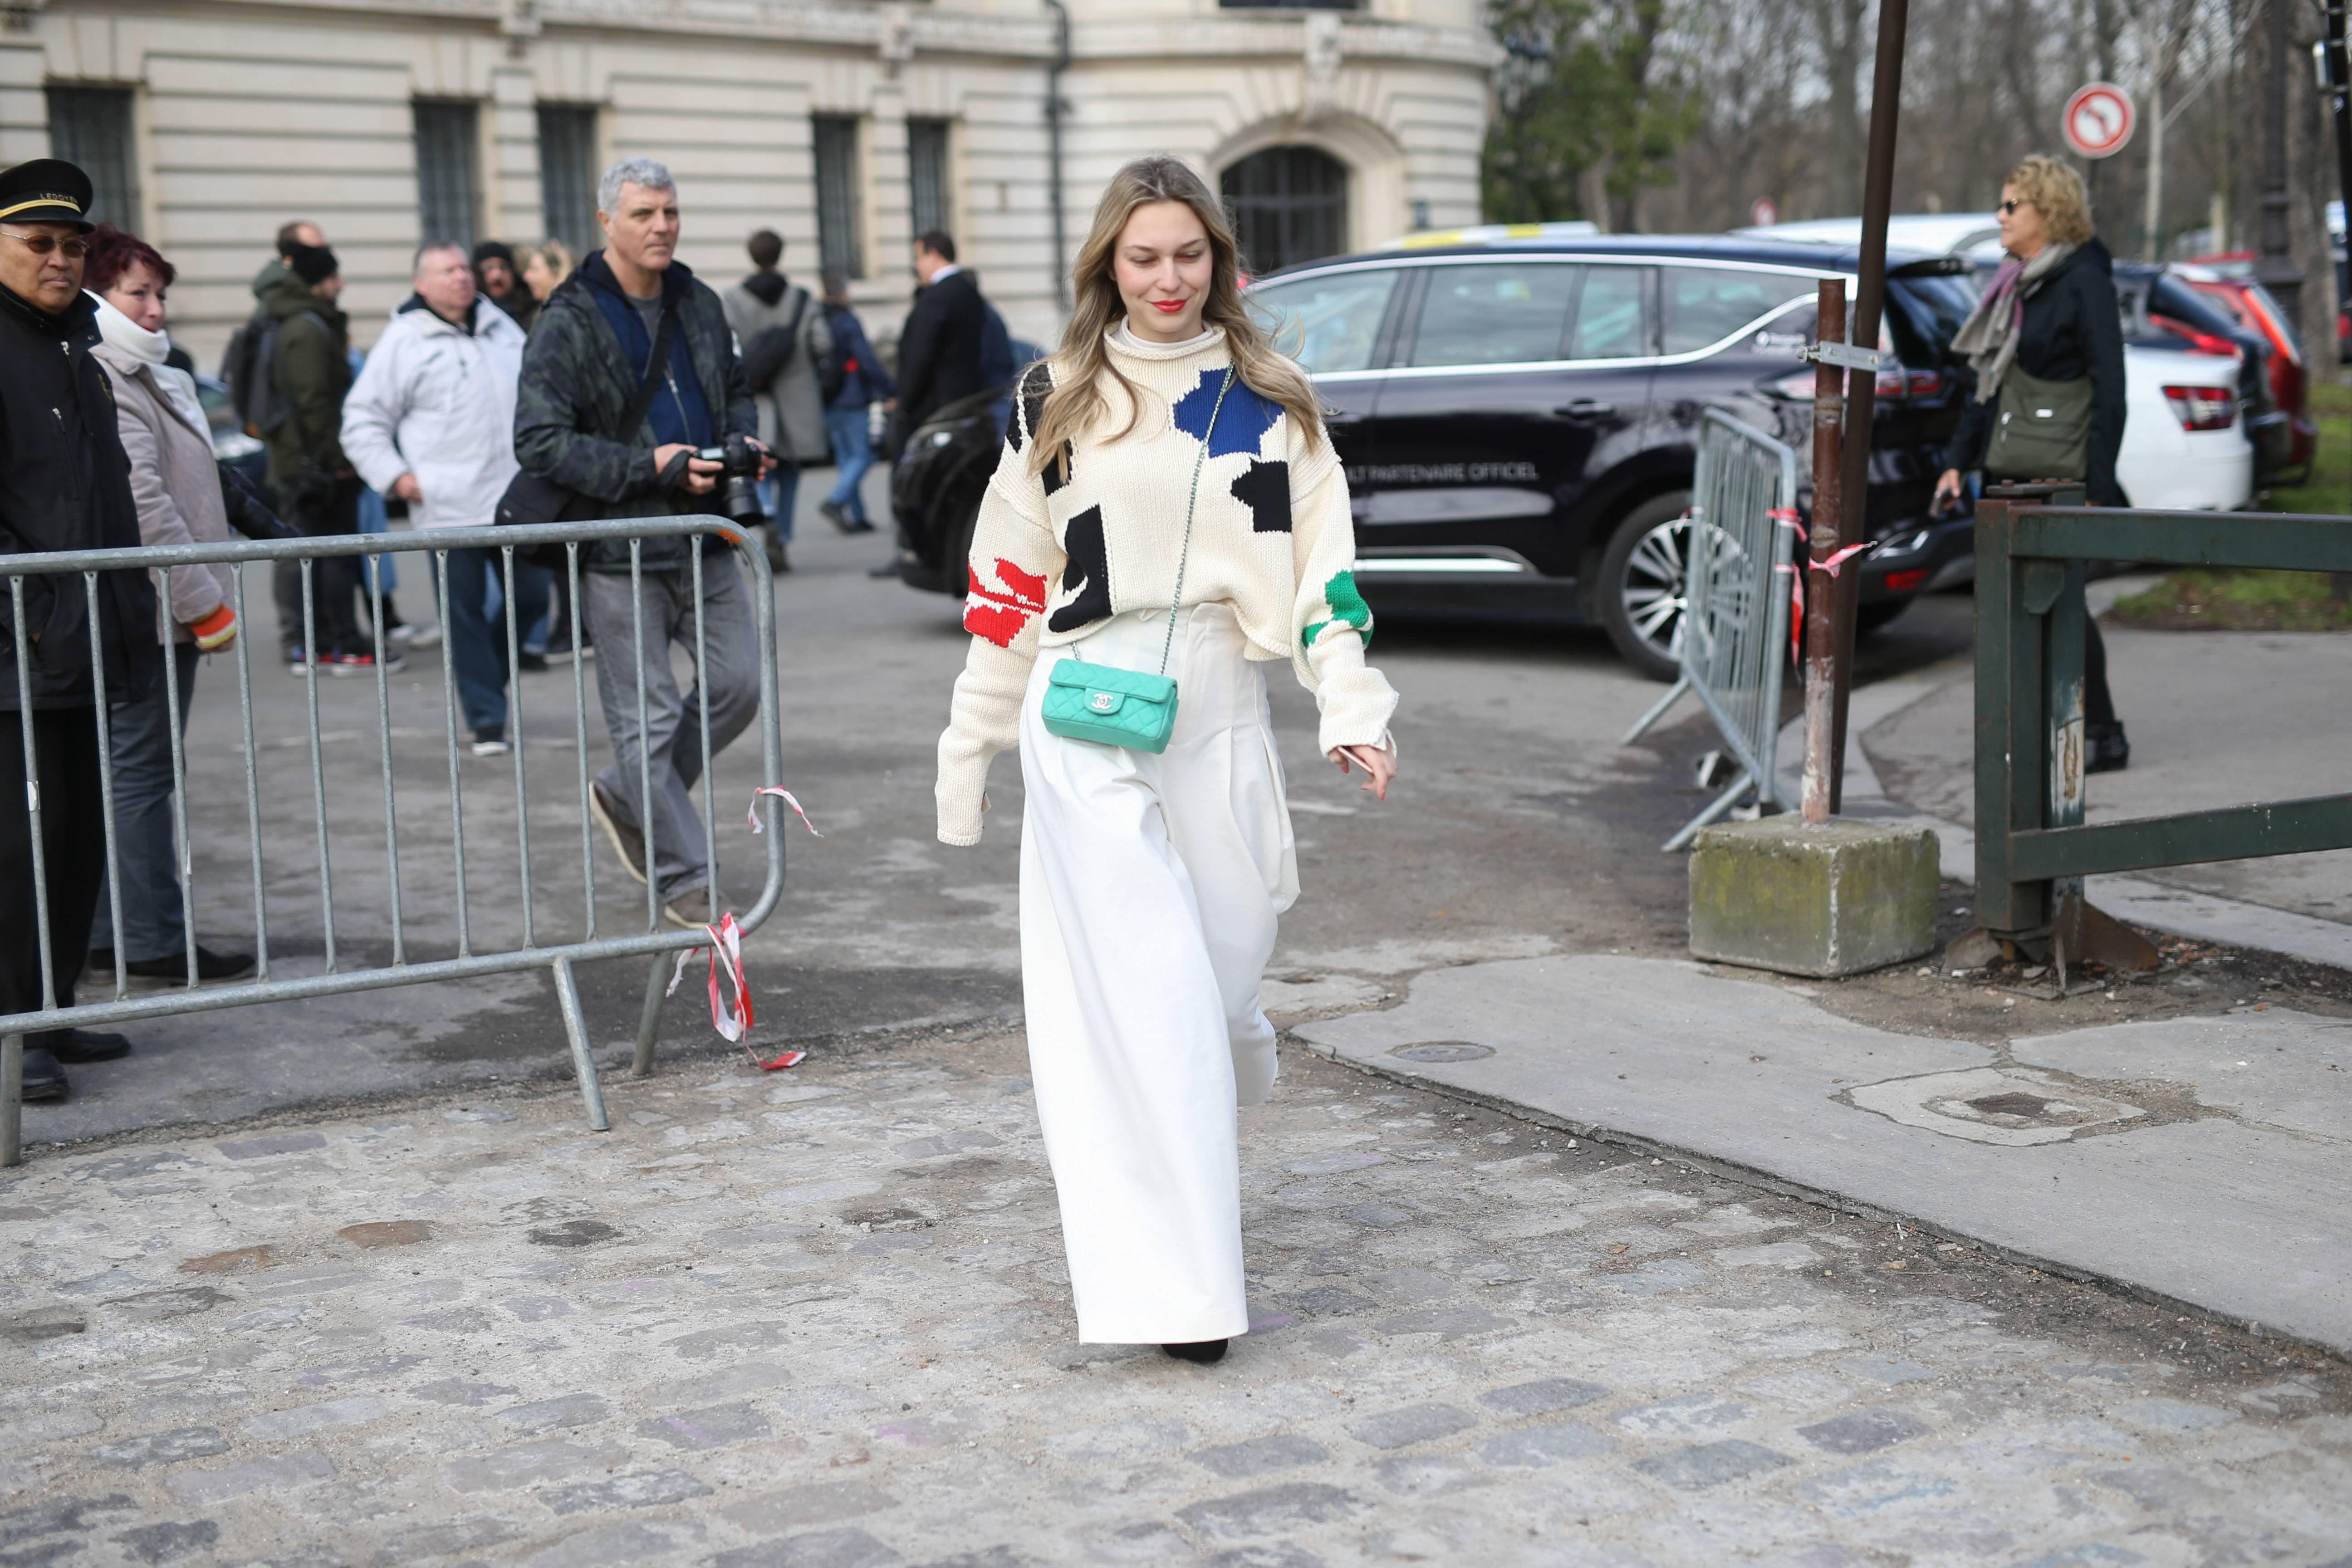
1115	706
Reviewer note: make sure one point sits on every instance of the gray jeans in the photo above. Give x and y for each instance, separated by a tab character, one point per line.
140	739
673	737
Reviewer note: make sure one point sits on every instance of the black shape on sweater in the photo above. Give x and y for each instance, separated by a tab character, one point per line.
2071	329
1089	563
1265	488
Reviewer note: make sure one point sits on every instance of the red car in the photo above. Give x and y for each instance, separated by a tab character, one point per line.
2228	281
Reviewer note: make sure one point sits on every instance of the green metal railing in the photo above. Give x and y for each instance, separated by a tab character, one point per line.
2032	846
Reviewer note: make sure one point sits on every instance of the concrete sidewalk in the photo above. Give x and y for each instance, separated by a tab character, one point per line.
2198	1160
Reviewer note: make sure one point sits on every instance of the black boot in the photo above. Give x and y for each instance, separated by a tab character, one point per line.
44	1079
1202	1350
2104	749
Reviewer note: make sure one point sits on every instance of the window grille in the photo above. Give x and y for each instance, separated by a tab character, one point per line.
90	127
567	174
927	174
1289	204
446	183
840	246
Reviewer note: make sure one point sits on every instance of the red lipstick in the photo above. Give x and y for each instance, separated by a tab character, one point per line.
1169	307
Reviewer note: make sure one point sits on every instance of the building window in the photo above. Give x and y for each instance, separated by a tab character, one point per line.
927	174
567	174
840	248
445	140
89	127
1289	204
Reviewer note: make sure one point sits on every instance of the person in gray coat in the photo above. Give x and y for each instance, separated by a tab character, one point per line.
781	335
176	484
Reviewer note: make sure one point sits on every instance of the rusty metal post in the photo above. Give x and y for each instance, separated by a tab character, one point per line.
1862	387
1818	799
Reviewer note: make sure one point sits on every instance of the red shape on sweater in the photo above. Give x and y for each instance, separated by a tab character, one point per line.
999	615
998	624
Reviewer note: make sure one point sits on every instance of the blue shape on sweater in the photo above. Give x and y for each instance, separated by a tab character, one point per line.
1241	424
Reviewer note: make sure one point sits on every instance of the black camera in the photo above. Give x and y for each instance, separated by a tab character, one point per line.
739	480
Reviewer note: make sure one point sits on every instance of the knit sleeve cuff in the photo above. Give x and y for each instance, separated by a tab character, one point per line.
1357	703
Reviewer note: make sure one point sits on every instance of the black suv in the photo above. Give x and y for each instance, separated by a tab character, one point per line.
1518	411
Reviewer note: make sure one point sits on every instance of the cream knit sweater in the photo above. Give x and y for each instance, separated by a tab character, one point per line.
1054	557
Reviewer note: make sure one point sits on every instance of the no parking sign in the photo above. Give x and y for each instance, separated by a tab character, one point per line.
2098	120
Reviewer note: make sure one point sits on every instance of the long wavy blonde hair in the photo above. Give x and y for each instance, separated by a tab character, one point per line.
1077	403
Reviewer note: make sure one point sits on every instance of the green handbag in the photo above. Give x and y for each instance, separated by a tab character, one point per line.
1113	707
2042	430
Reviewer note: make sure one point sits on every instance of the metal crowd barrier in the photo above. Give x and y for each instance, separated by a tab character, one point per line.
1735	626
2032	846
534	952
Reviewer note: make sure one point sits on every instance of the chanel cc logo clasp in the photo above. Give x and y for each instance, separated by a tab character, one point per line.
1103	701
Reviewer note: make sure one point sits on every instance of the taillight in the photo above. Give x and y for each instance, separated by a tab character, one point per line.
1905	581
2198	342
2202	407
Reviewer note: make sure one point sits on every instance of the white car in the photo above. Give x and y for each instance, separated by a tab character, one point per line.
2185	442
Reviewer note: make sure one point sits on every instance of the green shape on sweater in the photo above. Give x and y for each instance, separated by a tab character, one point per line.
1347	605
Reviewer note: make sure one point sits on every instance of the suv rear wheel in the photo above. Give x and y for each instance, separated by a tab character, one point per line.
1644	578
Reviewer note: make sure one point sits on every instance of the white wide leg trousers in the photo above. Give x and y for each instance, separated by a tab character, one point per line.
1149	890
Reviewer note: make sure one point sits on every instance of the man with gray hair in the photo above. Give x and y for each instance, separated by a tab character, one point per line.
632	320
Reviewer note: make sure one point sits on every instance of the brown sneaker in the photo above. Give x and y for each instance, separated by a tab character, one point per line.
690	910
627	842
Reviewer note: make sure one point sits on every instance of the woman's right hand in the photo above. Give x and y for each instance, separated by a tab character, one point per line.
1947	492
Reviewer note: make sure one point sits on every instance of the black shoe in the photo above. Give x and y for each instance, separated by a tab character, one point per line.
79	1046
100	969
1202	1350
210	966
531	663
2104	749
44	1079
778	562
837	515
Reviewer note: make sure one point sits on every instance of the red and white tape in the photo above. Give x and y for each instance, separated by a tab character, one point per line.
1830	563
788	798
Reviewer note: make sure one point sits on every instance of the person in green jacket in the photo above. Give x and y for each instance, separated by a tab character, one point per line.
316	484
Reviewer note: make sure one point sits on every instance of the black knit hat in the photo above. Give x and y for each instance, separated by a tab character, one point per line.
314	264
495	250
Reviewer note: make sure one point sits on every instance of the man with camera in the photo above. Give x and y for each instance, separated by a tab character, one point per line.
629	379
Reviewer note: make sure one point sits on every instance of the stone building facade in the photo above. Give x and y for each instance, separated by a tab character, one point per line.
846	125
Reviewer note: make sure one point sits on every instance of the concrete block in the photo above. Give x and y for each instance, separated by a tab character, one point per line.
1837	899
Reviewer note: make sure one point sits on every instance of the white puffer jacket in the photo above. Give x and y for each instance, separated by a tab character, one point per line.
439	401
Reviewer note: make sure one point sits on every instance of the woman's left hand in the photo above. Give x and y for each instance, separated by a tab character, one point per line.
1380	765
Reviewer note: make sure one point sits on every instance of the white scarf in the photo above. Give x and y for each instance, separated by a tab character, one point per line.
178	387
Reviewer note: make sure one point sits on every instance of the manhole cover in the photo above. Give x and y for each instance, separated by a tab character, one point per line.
1444	1051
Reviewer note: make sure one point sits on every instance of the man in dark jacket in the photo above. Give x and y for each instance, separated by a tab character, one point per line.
315	482
586	357
939	346
64	485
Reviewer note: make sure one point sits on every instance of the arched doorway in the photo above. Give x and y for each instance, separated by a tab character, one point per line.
1289	204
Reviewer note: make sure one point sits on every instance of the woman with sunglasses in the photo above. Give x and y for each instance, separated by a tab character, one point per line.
2046	344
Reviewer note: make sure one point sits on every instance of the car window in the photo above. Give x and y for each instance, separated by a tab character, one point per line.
1508	313
1923	313
1609	321
1328	323
1703	305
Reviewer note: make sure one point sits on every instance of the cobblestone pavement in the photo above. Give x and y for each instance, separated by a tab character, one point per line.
821	1318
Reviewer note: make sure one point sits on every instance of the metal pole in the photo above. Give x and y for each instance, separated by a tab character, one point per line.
2275	259
1861	386
11	1088
1055	110
1818	797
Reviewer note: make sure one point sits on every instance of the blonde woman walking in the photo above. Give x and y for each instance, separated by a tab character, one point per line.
1167	517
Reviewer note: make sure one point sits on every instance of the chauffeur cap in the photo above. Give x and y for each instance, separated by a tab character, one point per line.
47	190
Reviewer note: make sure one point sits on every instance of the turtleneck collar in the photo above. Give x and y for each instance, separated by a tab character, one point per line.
1122	341
119	332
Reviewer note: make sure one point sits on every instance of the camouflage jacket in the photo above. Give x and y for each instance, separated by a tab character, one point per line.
576	382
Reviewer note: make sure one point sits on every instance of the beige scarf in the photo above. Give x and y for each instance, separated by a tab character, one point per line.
1989	337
